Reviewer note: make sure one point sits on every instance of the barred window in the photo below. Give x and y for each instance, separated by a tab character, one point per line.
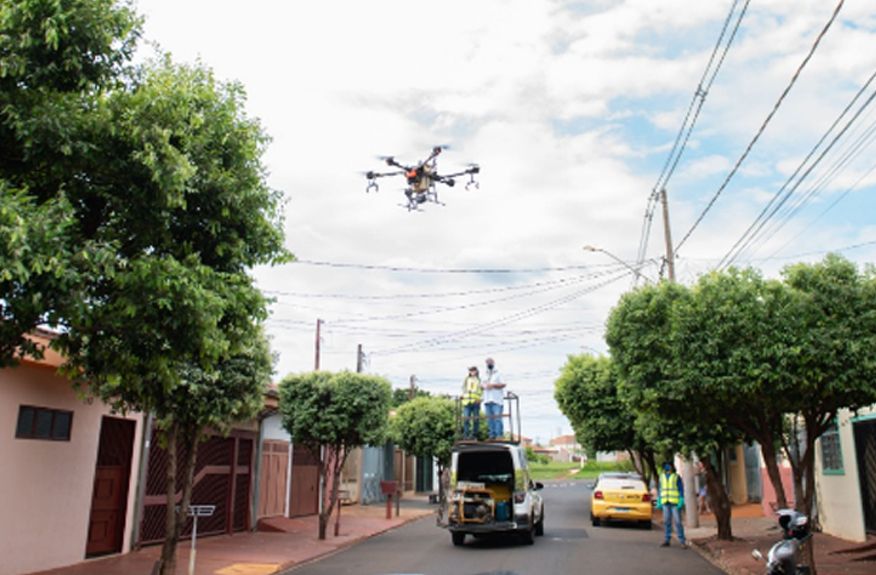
831	451
43	423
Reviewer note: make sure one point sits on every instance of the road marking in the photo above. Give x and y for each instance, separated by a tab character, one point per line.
249	569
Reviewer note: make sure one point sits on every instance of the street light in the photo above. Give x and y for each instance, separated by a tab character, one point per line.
639	274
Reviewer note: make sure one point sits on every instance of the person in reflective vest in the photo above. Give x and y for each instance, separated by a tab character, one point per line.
471	404
671	499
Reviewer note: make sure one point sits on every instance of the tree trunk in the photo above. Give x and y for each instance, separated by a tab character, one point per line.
650	465
167	562
177	516
323	518
718	500
768	450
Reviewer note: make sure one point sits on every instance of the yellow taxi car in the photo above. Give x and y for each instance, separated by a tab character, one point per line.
621	498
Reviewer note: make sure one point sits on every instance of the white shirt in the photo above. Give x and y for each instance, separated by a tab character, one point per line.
494	395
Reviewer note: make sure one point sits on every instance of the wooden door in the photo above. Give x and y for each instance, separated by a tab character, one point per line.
304	496
109	497
272	483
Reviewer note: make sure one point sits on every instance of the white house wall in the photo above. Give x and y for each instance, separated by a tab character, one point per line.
840	508
47	485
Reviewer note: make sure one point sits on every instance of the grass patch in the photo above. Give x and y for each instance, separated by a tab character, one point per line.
566	470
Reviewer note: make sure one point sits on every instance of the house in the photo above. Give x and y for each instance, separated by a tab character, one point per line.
568	448
92	482
69	478
845	475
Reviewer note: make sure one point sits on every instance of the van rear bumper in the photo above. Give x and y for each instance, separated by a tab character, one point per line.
494	527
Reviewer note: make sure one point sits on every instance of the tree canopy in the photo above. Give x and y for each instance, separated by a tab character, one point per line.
330	414
136	202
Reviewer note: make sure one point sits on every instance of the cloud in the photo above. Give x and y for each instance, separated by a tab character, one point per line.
570	109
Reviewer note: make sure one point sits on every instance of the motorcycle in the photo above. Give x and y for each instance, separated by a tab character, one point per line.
783	557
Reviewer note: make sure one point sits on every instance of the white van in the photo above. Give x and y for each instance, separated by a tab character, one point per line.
491	492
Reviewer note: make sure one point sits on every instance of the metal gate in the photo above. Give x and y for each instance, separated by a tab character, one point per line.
752	472
424	474
865	444
223	477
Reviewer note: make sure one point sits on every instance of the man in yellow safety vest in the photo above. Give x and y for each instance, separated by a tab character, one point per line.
471	404
671	499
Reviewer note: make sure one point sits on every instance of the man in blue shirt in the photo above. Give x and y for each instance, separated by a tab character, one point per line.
671	499
494	399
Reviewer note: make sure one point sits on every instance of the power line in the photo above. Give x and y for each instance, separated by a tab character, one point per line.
687	125
763	126
785	192
432	342
447	270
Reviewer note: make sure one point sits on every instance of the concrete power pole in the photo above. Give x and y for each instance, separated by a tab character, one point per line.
413	387
359	357
319	323
687	472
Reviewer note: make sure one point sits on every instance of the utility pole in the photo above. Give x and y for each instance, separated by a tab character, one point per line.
413	387
359	358
319	323
667	234
687	472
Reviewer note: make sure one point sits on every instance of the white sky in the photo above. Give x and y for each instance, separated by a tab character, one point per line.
570	108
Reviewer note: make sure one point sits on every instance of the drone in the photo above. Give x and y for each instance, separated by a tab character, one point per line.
422	179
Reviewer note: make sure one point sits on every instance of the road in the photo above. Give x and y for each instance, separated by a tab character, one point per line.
570	545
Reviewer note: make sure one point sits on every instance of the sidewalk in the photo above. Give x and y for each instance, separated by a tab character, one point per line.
280	544
751	530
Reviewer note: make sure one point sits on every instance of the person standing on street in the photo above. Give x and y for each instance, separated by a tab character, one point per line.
471	404
494	399
671	499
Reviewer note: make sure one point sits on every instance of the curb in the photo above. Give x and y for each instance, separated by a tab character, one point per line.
716	560
291	566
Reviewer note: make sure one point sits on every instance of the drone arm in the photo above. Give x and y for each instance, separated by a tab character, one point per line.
375	175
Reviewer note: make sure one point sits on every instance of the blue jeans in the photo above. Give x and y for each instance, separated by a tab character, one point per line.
494	419
672	513
471	417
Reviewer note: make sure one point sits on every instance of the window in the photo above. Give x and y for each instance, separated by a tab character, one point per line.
831	452
43	423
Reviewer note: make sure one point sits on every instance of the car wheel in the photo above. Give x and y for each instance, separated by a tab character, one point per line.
539	527
594	521
646	525
528	536
458	538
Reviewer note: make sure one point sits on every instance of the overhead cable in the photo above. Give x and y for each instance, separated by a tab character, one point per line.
762	128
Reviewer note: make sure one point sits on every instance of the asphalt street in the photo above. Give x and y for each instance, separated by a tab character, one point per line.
570	545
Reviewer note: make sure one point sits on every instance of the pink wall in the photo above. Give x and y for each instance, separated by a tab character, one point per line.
46	486
769	494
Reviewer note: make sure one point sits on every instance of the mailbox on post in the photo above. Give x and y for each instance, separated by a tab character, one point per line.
196	511
390	489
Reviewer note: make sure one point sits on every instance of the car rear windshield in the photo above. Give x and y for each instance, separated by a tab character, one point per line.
625	484
485	467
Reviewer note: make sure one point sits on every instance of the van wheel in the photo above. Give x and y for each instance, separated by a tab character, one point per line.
539	527
528	536
458	538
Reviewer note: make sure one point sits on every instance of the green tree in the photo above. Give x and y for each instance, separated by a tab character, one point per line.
232	391
659	382
832	365
738	334
56	60
402	395
138	203
330	414
426	427
587	394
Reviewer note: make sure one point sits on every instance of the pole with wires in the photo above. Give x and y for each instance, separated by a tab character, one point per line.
691	511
